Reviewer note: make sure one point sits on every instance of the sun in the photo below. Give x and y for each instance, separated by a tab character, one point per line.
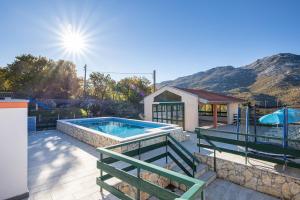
73	41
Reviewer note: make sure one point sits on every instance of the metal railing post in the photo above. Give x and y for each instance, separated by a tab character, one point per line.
215	160
166	149
285	134
247	132
199	140
194	169
138	192
101	171
139	150
255	119
238	123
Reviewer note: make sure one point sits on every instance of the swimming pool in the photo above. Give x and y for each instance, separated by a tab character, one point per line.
119	127
105	131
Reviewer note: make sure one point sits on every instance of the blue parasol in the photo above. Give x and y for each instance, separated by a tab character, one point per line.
277	117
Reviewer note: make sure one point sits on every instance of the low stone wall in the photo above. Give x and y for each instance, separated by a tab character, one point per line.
149	176
96	140
99	140
266	181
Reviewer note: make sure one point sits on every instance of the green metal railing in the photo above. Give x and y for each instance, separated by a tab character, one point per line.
266	148
195	187
170	143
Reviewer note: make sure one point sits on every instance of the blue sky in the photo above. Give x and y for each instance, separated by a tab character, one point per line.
175	37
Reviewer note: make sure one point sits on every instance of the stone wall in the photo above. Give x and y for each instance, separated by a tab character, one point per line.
262	180
149	176
100	140
96	140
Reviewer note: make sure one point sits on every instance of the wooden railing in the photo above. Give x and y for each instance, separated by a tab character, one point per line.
195	187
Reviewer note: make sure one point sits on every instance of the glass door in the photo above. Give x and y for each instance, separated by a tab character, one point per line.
170	113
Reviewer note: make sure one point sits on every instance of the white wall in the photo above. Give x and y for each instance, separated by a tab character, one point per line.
13	152
232	109
190	107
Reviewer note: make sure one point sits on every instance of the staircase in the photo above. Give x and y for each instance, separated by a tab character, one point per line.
202	173
151	170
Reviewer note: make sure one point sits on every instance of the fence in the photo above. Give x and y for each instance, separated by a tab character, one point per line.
255	146
46	119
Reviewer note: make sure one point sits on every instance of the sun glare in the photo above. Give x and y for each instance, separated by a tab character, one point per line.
73	41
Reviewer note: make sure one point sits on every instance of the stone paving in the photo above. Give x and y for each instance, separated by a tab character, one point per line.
61	167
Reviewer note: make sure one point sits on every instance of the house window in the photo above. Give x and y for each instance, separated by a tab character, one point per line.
207	110
222	110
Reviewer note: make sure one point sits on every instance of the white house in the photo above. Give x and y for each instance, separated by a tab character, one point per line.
189	107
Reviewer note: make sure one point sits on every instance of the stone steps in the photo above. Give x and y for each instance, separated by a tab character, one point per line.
202	173
208	177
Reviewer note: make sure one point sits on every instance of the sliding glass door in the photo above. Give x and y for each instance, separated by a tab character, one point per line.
171	113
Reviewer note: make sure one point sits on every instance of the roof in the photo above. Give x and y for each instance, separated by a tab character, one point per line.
212	97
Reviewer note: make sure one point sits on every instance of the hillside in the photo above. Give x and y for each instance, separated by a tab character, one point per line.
268	79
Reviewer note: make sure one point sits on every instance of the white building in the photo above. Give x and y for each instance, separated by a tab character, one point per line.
189	107
13	149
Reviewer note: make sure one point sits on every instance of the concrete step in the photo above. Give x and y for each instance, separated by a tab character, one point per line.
201	169
208	177
152	198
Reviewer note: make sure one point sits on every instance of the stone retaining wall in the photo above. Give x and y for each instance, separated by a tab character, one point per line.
149	176
266	181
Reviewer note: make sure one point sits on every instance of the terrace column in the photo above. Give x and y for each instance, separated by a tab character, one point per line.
215	115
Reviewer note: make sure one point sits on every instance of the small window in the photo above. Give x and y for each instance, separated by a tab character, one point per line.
167	96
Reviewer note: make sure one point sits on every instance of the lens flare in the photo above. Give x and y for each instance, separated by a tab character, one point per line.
73	41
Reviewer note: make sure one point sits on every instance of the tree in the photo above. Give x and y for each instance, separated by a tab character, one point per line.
4	83
39	77
102	85
134	89
62	81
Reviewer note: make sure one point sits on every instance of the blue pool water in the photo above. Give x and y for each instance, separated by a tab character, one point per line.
119	127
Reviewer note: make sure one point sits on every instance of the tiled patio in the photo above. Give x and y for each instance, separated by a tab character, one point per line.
61	167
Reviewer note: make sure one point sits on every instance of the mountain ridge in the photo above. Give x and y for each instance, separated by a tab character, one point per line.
270	79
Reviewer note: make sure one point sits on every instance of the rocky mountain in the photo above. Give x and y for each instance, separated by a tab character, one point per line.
268	80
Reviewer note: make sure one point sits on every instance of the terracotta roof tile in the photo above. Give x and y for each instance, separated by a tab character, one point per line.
212	96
